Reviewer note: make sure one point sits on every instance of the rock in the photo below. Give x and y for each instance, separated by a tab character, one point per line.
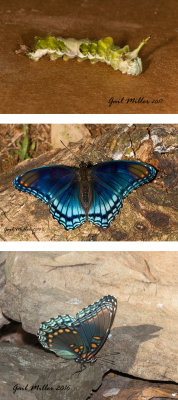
67	133
118	387
43	285
3	256
111	392
149	213
29	373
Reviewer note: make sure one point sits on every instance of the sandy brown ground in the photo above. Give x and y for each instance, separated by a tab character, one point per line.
72	87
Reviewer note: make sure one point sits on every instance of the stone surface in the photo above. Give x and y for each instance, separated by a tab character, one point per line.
70	87
117	387
3	256
42	285
149	213
33	368
67	133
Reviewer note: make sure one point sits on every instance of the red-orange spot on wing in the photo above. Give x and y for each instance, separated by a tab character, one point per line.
76	350
93	345
90	356
75	332
67	330
60	330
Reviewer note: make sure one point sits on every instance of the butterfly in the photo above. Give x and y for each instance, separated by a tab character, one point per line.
90	192
79	338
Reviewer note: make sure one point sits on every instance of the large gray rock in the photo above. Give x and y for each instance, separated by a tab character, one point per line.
3	256
42	285
44	376
149	213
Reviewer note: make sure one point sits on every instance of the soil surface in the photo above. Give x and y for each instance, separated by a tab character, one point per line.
71	87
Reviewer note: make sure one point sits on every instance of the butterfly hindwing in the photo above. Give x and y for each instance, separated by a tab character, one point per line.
59	336
58	187
111	182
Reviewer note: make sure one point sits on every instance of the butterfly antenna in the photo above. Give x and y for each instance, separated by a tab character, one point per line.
106	360
78	159
91	146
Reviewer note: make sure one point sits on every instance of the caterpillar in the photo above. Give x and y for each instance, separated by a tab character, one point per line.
103	50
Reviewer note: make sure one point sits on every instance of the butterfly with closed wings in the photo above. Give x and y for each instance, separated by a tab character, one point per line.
80	338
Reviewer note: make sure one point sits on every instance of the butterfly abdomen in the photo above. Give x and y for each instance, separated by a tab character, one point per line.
85	188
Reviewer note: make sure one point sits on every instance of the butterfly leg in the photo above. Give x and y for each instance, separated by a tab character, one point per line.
82	367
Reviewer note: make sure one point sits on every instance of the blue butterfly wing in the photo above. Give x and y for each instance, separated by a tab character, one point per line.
94	323
58	187
111	182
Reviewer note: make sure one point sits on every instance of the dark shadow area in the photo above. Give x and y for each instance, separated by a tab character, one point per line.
13	333
126	340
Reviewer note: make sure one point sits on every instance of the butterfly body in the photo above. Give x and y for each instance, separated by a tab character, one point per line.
90	192
85	187
80	338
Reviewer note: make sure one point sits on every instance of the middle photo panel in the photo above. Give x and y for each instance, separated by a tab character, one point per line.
98	182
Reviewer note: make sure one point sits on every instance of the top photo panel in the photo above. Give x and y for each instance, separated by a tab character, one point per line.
88	57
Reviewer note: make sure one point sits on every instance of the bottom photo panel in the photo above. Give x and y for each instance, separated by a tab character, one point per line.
88	325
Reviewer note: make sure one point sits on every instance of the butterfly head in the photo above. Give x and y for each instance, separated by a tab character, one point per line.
86	359
85	165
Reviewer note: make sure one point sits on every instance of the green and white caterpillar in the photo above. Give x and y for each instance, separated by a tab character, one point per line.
102	50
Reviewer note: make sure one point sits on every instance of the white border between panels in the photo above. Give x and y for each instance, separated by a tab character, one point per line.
88	118
88	246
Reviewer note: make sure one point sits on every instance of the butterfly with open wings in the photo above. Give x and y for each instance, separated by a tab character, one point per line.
91	192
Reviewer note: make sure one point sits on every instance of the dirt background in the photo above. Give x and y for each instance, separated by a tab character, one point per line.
59	87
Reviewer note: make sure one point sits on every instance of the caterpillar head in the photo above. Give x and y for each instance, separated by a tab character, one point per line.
128	62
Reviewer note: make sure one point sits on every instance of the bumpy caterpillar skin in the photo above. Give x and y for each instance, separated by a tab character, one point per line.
102	50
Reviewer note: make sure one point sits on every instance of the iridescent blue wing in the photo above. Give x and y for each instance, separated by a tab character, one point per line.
111	182
59	336
57	186
94	323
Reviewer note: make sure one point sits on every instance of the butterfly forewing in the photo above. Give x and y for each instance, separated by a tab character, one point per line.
94	323
111	182
57	186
